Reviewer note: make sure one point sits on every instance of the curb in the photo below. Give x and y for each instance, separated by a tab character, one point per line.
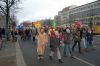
19	56
97	35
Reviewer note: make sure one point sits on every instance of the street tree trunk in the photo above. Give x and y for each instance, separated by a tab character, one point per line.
6	6
7	20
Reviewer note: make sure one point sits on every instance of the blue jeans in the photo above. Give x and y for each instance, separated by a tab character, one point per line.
67	49
89	44
83	43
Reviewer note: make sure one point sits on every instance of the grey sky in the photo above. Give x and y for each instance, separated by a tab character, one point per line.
41	9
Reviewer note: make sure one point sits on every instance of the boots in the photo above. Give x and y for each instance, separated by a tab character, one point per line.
50	57
40	57
60	61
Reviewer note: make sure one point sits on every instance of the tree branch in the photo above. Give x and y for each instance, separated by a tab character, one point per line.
3	10
11	3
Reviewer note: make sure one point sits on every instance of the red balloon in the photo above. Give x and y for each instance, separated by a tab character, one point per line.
58	27
78	24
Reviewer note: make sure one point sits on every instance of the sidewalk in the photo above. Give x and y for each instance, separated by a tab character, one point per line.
8	55
11	55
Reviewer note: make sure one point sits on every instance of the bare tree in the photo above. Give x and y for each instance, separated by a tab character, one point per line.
6	6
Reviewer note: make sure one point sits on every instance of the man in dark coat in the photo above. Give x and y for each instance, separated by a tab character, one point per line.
77	39
89	38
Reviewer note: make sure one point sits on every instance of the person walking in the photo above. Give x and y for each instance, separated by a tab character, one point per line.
89	38
42	40
54	46
12	35
67	40
33	34
83	38
0	38
77	40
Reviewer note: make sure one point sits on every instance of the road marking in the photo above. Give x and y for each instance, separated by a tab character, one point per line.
97	46
83	61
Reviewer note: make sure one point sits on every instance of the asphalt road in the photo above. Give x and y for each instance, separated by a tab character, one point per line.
91	58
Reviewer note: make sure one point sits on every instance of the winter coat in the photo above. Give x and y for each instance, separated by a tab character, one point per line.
66	37
89	36
83	34
54	43
77	36
42	40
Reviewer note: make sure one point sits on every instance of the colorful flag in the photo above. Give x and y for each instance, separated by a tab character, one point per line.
54	24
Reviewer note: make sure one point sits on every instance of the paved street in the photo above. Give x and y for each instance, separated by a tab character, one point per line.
69	25
91	58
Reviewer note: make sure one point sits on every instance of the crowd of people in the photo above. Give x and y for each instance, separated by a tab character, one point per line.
62	37
59	37
12	36
66	38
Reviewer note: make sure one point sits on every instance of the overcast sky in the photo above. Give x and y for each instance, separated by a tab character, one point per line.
40	9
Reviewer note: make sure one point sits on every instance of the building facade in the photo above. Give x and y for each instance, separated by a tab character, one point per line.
63	16
87	14
11	24
57	19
